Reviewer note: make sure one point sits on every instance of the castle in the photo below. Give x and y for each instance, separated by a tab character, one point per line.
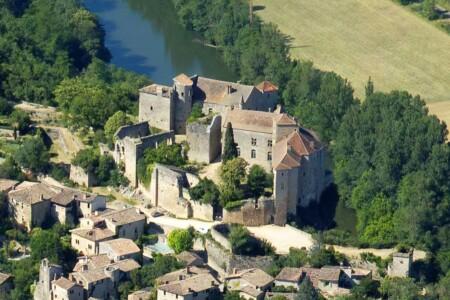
264	135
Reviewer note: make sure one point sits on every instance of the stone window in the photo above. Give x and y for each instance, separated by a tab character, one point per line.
238	150
269	156
210	111
253	154
253	142
89	246
269	143
151	107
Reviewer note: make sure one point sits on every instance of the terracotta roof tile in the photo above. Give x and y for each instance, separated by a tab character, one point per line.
197	283
267	87
290	274
96	234
122	246
124	216
64	283
33	194
183	79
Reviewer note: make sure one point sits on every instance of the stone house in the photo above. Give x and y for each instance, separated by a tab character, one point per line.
47	274
64	289
251	283
130	143
289	278
30	205
88	204
63	207
101	281
127	223
168	108
120	249
204	139
6	283
190	259
87	241
401	264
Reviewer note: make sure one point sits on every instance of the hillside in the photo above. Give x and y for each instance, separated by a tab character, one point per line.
362	38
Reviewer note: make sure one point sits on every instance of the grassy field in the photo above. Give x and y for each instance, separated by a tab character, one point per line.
362	38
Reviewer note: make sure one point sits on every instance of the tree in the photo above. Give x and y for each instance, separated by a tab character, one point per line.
33	155
196	113
443	288
369	88
181	240
306	291
232	173
366	288
239	238
88	159
5	107
232	296
429	9
230	147
205	191
258	180
115	122
320	256
21	121
399	288
10	170
45	244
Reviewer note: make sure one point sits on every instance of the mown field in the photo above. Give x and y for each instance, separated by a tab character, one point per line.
362	38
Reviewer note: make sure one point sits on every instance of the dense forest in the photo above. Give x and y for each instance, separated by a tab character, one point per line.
390	158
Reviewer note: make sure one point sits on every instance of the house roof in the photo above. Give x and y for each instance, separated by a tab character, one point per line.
312	274
267	87
183	79
255	277
181	274
6	184
251	291
4	277
94	275
140	295
64	283
330	273
96	234
197	283
92	262
289	150
124	216
249	120
122	246
33	194
221	92
290	275
66	197
190	258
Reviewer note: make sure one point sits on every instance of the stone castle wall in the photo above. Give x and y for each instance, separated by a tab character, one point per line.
251	214
204	140
156	108
81	177
201	211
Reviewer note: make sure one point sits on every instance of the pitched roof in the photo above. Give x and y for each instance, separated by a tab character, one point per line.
181	274
64	283
94	275
312	274
124	216
251	291
6	184
140	295
4	277
289	150
122	246
255	277
330	273
250	120
66	196
197	283
290	275
92	262
183	79
221	92
96	234
190	258
33	194
267	87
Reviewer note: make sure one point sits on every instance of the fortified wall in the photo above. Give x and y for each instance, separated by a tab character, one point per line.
204	138
81	177
251	213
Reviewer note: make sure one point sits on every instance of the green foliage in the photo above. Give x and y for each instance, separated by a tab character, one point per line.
321	256
196	113
87	159
33	155
232	296
20	121
165	154
370	88
114	122
429	9
45	244
230	147
239	238
5	107
181	240
232	173
258	180
206	192
399	288
10	170
306	291
366	288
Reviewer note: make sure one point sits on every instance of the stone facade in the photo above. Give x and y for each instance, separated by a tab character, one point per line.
131	142
81	177
203	138
401	265
251	213
47	273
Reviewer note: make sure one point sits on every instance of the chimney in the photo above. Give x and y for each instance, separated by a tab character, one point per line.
229	89
188	269
41	197
234	271
180	277
159	90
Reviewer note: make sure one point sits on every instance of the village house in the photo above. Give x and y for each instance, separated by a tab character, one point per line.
47	274
6	283
64	207
251	283
87	241
181	274
190	258
65	289
289	278
29	205
102	282
126	223
120	249
88	204
201	287
401	264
